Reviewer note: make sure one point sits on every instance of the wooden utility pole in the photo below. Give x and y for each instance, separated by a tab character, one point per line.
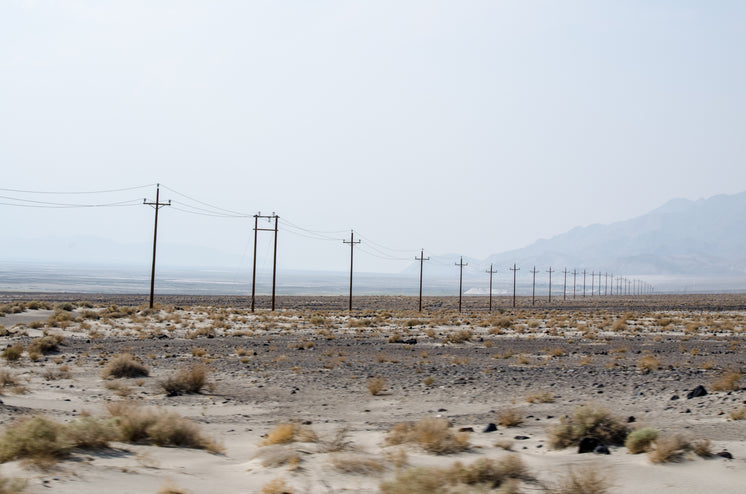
611	285
584	283
564	289
533	286
599	283
574	282
274	257
515	270
550	271
156	205
593	282
491	272
422	259
461	265
606	283
352	243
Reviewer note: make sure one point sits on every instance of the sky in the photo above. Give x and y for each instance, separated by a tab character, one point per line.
458	127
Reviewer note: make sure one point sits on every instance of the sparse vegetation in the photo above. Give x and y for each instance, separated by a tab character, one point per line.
376	385
125	365
432	434
588	420
289	432
510	417
584	480
728	381
640	441
190	380
675	448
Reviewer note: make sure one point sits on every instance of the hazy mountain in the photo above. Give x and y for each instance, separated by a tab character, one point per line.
704	237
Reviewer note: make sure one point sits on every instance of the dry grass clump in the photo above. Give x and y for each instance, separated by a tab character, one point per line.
641	440
540	397
738	413
675	448
357	464
43	441
277	486
376	385
432	434
460	336
648	363
728	381
483	474
510	417
12	353
169	487
160	427
289	432
190	380
11	486
588	420
45	344
584	480
125	365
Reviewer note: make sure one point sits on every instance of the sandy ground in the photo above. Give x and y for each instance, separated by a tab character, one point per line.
314	366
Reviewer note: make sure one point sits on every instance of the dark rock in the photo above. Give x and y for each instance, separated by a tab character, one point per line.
521	438
696	392
631	419
601	450
588	445
411	341
724	454
466	429
674	397
442	410
490	428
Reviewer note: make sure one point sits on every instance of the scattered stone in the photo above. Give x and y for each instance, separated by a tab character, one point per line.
674	397
466	429
724	454
601	450
696	392
588	445
631	419
521	438
490	428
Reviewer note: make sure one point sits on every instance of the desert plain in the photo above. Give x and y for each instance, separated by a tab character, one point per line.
311	398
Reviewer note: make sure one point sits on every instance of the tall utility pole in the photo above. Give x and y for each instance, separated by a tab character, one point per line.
461	265
606	283
593	282
599	283
611	285
550	271
515	270
574	283
564	290
584	283
156	205
352	243
422	260
271	217
491	272
533	286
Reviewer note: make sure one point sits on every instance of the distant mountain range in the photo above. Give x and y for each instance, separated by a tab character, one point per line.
706	237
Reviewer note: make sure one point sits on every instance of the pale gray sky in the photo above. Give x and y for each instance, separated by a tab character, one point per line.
465	127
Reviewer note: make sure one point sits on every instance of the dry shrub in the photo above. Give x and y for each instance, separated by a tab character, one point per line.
459	336
337	443
510	417
125	365
648	363
12	486
44	441
13	353
432	434
506	444
169	487
277	486
668	449
45	344
277	455
289	432
588	420
585	480
7	379
640	441
728	381
357	464
738	413
159	427
376	385
485	473
190	380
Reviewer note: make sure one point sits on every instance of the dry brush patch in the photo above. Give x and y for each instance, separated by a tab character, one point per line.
190	380
432	434
588	420
125	365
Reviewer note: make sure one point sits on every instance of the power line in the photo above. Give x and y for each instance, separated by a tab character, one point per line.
20	191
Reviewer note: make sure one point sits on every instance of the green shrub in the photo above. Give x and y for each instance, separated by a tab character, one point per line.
13	353
639	441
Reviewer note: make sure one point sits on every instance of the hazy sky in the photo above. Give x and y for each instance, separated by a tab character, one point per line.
464	127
